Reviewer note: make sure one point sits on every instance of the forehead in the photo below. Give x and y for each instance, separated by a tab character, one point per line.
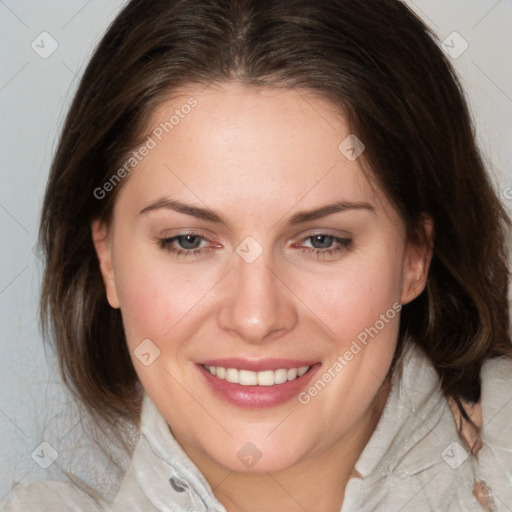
234	142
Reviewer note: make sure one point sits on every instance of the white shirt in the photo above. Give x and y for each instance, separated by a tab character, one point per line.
414	461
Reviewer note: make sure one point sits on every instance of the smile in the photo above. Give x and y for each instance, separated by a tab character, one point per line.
261	378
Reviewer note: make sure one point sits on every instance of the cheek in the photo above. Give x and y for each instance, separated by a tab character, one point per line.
158	298
145	293
360	304
353	297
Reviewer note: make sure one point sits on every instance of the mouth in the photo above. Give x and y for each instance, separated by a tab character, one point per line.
260	378
250	384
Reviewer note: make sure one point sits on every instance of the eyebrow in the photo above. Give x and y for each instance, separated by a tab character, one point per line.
187	209
329	209
299	218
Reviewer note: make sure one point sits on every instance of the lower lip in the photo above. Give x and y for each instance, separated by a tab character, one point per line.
258	396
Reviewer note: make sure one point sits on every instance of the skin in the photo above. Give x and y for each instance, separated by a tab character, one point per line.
257	157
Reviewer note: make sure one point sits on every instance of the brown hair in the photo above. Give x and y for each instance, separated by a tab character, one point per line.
376	61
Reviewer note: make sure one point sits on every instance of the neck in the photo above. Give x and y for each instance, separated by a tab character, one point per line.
315	484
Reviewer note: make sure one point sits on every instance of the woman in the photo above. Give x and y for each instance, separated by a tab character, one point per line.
273	247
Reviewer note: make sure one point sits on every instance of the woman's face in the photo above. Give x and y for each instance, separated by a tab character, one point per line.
247	240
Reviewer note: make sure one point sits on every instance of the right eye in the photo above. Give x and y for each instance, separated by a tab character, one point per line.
187	244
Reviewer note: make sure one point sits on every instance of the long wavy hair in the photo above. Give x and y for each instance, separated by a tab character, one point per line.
375	60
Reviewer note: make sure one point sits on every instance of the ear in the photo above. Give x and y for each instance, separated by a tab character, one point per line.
102	244
418	255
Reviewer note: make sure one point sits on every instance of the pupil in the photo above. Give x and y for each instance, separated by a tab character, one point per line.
189	241
322	241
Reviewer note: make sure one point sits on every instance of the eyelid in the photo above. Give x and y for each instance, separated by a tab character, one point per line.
340	243
173	232
337	234
171	237
169	243
303	237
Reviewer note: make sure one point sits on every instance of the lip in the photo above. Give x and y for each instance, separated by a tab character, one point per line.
257	396
259	365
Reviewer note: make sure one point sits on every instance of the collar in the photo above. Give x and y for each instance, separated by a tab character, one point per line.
416	423
414	429
169	479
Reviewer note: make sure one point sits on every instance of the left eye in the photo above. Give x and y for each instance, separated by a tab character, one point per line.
191	244
184	245
324	246
188	241
321	241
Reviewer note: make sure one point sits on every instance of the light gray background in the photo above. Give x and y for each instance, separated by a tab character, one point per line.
34	95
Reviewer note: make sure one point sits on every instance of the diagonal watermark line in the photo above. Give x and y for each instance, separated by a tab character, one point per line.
76	14
14	218
492	81
14	76
300	300
286	491
83	488
13	279
424	14
418	492
3	2
13	486
186	186
216	487
280	423
405	404
194	305
72	71
497	414
73	427
199	403
13	423
494	494
300	199
486	14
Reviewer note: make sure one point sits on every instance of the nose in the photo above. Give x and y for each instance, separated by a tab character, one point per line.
258	306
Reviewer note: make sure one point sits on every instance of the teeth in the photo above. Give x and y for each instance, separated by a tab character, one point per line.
280	376
302	370
263	378
232	375
247	378
292	373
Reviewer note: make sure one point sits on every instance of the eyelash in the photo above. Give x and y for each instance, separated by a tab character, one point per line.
343	245
166	243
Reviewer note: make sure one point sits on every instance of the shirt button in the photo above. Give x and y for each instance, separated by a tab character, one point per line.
176	485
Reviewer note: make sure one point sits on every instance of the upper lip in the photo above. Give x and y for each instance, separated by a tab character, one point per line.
257	366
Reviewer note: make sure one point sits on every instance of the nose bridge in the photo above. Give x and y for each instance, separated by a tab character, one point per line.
258	306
